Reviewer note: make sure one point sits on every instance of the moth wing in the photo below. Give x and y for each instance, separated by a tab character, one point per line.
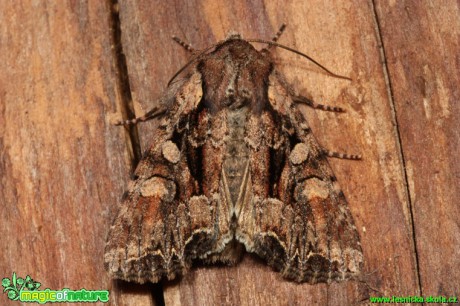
302	225
162	215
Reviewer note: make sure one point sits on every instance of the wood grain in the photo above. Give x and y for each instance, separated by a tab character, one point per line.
422	48
63	167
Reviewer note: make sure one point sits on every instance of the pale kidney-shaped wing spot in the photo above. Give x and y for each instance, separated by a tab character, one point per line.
193	92
299	154
170	152
315	188
278	96
158	187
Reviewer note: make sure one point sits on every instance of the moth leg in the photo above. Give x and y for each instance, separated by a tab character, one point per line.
152	114
280	31
275	38
308	102
183	44
341	155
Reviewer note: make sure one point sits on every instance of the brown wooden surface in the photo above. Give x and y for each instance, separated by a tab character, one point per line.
422	47
63	167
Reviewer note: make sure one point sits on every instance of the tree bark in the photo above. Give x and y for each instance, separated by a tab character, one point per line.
68	74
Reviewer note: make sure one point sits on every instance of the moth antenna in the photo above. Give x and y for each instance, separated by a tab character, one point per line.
276	37
273	43
183	44
193	59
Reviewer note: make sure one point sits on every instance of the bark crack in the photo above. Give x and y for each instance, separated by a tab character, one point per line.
126	107
389	87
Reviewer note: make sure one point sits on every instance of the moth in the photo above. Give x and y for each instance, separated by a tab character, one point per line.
234	166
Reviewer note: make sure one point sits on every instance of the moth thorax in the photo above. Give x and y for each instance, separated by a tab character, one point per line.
236	95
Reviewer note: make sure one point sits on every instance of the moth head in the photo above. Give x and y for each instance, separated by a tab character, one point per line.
232	35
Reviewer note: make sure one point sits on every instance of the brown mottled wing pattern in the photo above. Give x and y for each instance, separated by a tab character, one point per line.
234	164
163	213
302	224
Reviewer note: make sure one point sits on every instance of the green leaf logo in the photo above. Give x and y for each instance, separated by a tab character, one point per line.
18	284
6	282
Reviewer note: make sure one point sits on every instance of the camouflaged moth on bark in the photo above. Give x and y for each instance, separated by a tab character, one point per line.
234	166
